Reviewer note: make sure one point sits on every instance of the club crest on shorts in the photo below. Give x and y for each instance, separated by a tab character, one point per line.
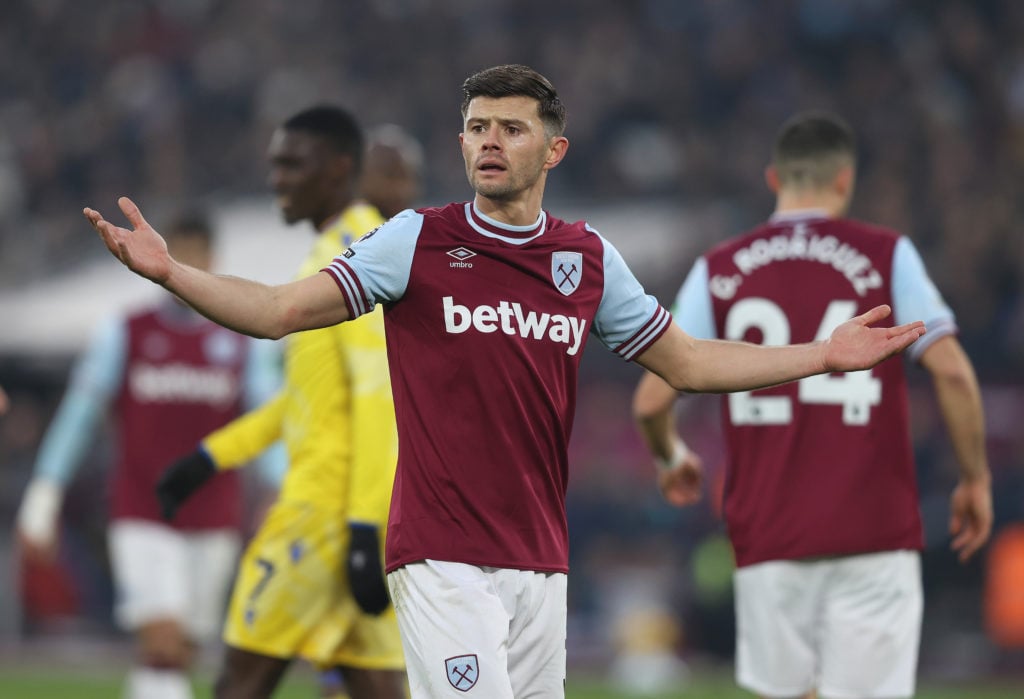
566	271
463	671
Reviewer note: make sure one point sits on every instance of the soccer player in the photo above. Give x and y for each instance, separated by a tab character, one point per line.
488	304
820	496
167	376
311	583
393	170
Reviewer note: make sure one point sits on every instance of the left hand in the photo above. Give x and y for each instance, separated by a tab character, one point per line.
970	516
182	478
365	570
854	345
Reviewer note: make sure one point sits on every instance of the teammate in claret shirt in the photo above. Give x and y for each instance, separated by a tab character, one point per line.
167	376
820	493
487	307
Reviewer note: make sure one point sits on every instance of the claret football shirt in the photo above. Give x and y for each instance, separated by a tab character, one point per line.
821	466
486	324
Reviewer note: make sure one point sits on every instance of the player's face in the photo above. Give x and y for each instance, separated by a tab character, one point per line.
504	146
300	175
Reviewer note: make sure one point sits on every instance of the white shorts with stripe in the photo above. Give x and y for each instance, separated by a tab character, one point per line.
493	633
848	626
164	573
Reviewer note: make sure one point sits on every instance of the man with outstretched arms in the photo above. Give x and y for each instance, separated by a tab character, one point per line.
167	376
487	305
820	493
311	583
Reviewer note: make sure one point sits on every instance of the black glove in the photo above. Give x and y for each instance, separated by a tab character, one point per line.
365	571
182	478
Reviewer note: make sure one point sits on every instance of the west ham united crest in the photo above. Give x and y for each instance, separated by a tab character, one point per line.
566	271
463	671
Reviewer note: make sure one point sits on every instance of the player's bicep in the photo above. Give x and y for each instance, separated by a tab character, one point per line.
311	302
670	357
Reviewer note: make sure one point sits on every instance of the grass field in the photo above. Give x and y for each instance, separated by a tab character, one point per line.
18	684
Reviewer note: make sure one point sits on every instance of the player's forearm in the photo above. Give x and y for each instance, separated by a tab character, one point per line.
246	437
719	366
959	397
242	305
965	422
652	411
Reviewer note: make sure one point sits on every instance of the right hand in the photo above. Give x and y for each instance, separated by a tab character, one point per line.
182	478
141	250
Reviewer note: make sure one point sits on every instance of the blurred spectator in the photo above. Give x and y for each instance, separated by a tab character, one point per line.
666	99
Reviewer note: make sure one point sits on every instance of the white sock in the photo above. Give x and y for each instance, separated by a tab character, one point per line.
149	683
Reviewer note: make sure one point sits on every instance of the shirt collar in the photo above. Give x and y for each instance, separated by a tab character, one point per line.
492	228
797	215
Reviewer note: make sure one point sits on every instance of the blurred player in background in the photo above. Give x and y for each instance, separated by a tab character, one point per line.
311	583
821	498
391	181
393	170
4	401
168	376
488	305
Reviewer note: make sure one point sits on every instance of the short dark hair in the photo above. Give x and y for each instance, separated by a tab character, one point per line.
518	81
811	147
336	126
191	223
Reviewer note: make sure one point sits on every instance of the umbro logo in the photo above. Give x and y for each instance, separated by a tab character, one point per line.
461	256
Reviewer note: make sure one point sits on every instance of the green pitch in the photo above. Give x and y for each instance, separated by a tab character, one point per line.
38	685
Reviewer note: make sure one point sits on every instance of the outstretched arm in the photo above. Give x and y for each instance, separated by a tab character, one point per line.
723	366
243	305
959	398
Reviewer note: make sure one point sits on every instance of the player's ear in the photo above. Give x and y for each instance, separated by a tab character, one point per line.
556	151
771	178
844	181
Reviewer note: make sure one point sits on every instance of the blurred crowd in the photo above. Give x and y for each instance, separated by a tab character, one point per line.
173	100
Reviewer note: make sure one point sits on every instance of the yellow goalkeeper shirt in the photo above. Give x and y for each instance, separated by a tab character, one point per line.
335	410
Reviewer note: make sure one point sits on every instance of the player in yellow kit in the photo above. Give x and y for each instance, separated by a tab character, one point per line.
311	582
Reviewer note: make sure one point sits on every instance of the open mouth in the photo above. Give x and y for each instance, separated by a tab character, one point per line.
490	166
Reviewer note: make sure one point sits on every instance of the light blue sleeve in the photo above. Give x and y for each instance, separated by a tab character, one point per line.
915	297
692	309
376	268
628	319
94	381
263	377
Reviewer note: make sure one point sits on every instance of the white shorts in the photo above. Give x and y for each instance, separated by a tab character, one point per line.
847	626
163	573
494	633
